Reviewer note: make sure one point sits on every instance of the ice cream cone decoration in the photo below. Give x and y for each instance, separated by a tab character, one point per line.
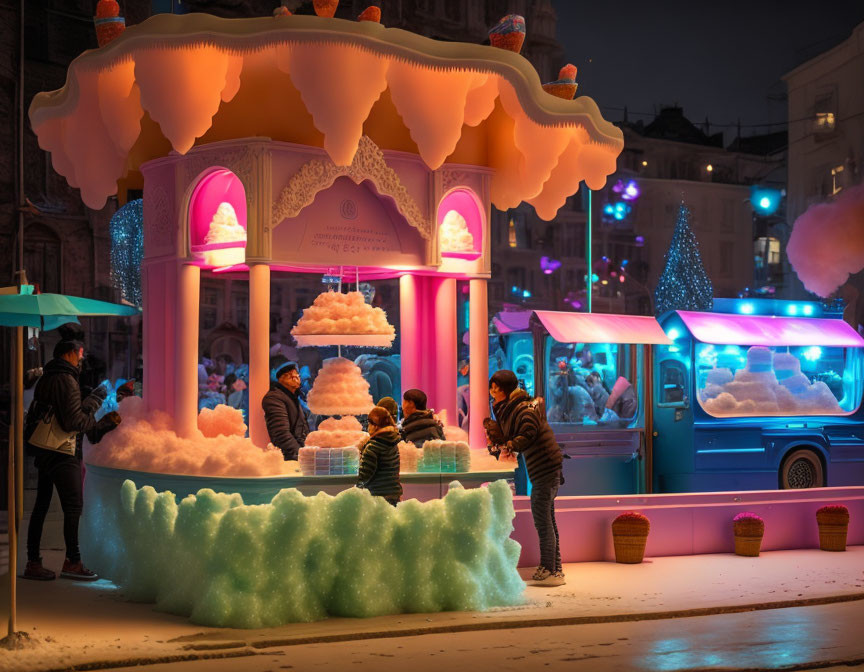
508	33
326	7
370	14
565	86
109	24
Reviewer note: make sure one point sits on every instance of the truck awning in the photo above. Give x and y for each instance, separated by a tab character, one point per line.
768	330
602	328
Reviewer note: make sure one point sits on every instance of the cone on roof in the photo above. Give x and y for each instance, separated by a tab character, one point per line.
109	24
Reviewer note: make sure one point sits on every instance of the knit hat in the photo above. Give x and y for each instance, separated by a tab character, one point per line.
390	404
285	368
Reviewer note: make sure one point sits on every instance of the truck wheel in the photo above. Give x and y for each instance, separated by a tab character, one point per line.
802	469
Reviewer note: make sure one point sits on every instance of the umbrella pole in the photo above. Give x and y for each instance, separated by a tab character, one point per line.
13	520
19	425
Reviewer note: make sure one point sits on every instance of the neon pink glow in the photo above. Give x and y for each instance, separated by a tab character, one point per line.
724	329
463	201
219	186
602	328
508	321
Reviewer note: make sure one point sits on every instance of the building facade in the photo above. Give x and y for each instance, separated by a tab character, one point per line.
826	136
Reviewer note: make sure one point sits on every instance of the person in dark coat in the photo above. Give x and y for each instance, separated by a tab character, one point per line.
58	390
527	433
379	461
286	421
419	424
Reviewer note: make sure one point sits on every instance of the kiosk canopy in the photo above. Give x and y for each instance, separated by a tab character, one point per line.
602	328
724	329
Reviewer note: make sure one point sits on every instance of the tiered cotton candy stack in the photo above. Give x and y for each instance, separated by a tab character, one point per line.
332	449
342	316
445	457
340	389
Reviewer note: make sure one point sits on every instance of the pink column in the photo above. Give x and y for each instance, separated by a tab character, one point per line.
479	365
186	350
259	350
444	347
410	327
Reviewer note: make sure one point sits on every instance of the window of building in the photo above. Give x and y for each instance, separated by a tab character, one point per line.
511	234
825	111
837	179
727	250
766	251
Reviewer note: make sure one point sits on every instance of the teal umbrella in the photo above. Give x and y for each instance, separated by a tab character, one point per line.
49	311
46	312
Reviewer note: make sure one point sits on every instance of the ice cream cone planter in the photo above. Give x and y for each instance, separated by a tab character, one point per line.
748	528
630	534
833	521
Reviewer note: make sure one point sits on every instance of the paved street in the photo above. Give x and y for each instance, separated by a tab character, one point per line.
797	638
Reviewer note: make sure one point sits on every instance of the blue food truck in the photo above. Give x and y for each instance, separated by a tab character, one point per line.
758	394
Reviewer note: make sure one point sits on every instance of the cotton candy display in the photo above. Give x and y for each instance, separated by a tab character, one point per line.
297	559
147	442
225	229
770	384
827	242
340	389
334	318
221	421
409	456
445	457
454	234
337	433
328	461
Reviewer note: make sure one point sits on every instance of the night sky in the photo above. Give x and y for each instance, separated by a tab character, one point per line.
720	60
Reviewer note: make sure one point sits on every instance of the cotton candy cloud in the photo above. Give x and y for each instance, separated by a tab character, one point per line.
146	441
827	242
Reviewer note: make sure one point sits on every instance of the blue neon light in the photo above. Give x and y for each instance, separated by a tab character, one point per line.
807	310
673	334
813	353
792	309
746	308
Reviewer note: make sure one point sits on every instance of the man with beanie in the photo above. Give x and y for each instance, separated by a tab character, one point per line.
527	433
58	394
389	403
286	421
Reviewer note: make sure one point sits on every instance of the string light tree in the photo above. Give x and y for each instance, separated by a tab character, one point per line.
684	284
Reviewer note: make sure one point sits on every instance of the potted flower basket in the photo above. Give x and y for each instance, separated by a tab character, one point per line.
748	528
833	521
630	533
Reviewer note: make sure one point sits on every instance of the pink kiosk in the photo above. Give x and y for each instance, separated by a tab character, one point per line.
318	143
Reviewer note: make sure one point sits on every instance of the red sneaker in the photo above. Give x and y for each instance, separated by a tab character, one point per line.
77	571
36	572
